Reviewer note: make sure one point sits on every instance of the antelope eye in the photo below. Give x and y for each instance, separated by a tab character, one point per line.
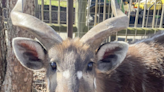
53	65
90	65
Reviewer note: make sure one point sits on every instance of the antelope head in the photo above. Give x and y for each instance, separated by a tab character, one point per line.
71	65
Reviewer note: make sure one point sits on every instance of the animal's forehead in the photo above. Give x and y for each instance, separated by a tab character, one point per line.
71	54
68	46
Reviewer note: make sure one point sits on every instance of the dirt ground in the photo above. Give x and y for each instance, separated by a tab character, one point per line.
39	84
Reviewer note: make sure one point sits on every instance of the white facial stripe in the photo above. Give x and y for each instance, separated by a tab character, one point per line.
143	87
95	82
79	74
66	74
48	84
52	59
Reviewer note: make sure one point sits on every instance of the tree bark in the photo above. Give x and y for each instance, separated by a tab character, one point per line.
17	78
3	48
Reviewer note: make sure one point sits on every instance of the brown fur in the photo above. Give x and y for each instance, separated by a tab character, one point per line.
69	44
75	42
141	71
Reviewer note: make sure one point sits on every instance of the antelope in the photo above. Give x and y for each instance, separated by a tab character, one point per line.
82	65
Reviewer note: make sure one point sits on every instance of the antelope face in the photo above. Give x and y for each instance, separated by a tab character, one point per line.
71	65
71	68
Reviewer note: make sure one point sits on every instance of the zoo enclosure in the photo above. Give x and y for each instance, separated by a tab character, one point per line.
87	13
144	17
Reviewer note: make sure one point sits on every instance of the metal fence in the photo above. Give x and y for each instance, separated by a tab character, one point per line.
148	14
145	17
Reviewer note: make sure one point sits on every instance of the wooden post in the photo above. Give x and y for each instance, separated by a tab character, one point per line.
80	16
70	18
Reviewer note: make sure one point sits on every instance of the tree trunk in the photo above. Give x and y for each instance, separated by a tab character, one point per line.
81	17
17	78
3	48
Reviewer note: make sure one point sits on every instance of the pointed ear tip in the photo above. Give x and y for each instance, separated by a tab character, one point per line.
14	39
123	44
17	39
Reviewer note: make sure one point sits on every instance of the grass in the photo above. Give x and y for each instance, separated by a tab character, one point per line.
54	3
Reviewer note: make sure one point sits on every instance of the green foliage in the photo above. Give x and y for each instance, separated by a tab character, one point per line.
54	3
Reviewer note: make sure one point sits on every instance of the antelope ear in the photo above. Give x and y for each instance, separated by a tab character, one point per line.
29	52
111	55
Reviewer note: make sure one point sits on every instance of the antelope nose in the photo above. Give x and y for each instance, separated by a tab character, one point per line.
71	79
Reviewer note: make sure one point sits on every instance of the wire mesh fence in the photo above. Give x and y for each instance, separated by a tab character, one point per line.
88	13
